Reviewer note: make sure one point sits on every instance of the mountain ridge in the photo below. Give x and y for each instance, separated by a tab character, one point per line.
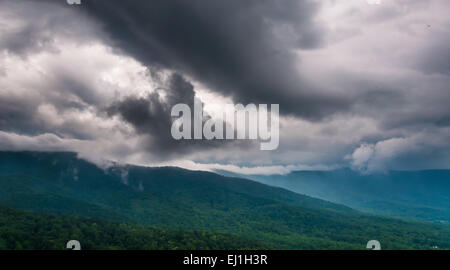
194	200
421	195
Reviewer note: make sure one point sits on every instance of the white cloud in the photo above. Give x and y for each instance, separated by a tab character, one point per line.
362	156
428	149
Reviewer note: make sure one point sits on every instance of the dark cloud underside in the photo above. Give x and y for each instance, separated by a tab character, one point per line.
243	49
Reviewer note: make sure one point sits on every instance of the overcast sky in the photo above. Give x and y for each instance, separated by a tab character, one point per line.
361	86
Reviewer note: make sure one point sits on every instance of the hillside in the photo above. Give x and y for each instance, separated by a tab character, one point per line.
30	231
177	199
421	195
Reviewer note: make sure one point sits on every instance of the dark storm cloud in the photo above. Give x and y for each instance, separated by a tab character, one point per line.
151	116
16	114
21	115
38	105
242	49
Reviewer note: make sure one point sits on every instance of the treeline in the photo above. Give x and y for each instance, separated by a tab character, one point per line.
21	230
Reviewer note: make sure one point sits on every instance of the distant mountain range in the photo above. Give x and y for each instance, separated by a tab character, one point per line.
421	195
175	199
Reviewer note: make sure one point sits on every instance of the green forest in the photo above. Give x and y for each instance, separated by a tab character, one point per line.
21	230
168	208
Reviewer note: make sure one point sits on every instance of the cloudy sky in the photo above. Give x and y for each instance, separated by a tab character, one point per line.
361	86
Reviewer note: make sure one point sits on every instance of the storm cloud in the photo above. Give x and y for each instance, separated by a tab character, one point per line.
242	49
150	116
361	86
